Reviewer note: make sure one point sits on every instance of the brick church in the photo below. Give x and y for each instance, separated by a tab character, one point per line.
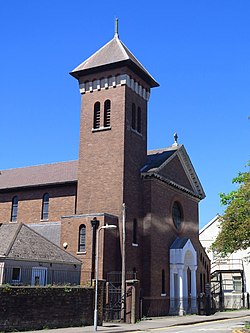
67	202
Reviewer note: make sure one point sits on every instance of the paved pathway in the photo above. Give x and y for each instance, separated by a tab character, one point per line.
153	323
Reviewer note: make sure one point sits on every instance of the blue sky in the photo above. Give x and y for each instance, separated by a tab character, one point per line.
199	52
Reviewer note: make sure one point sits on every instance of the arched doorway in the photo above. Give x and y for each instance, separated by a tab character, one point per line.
183	266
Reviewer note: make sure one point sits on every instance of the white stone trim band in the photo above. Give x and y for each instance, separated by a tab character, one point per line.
112	82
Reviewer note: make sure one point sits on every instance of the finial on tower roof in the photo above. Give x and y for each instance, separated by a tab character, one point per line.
175	139
116	27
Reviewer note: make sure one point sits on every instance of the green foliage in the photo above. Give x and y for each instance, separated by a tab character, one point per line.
67	289
6	287
247	325
235	223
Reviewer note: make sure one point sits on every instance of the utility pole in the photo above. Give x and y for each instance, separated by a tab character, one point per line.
95	225
123	293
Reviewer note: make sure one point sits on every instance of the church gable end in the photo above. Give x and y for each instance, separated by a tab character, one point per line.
174	171
172	165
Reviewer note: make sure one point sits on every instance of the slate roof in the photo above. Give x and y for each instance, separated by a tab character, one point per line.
64	172
114	53
44	174
7	234
18	241
49	230
179	243
157	159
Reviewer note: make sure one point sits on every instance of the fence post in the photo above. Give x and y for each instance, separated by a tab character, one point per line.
1	272
132	301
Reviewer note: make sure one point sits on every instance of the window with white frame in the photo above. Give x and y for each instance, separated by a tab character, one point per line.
14	209
82	238
45	207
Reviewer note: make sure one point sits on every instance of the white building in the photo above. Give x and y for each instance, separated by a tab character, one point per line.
230	276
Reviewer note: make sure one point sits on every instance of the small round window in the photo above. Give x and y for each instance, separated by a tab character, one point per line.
177	214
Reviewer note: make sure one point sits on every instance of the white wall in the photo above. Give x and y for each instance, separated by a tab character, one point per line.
207	236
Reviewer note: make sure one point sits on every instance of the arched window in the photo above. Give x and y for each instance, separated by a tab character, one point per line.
45	207
135	231
107	107
163	282
82	238
133	116
14	209
96	123
177	214
139	120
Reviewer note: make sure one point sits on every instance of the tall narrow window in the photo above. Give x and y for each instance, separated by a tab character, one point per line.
133	116
135	231
177	214
107	106
45	207
14	209
97	115
139	120
163	282
82	238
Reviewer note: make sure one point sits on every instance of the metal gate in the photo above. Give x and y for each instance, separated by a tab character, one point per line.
112	306
113	296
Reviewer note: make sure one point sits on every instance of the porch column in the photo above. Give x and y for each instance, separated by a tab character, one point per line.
185	289
193	289
172	289
180	278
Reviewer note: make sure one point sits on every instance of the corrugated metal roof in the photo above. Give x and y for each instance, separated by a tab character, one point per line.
39	175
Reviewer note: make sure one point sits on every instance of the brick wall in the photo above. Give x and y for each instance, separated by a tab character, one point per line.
109	246
61	202
103	155
160	232
39	308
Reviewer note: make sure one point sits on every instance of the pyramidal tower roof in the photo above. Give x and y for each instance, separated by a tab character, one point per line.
114	54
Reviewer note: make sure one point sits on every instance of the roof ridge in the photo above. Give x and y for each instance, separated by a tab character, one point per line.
94	54
47	240
127	50
121	45
14	238
162	150
208	224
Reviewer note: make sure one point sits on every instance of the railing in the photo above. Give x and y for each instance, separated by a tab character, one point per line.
164	306
38	276
227	265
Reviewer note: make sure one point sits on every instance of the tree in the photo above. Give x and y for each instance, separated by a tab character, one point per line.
235	223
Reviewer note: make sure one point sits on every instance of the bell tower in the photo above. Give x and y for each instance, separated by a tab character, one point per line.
114	89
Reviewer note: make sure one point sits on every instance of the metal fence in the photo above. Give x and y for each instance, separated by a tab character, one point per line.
38	276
